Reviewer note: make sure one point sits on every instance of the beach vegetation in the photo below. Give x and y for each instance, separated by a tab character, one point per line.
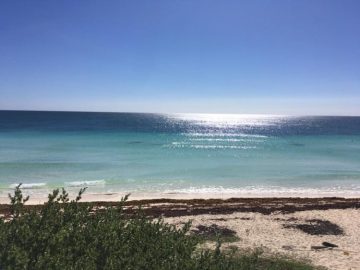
66	234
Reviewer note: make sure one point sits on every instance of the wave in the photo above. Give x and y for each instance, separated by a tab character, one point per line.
85	183
271	191
28	185
202	146
219	134
217	140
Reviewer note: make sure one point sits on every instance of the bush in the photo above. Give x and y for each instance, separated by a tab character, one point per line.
65	234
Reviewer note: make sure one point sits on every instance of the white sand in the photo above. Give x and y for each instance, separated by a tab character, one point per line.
41	197
268	233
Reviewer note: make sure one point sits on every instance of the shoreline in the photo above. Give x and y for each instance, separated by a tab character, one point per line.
40	198
176	207
286	226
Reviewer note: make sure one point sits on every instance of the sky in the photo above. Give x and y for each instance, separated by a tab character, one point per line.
268	57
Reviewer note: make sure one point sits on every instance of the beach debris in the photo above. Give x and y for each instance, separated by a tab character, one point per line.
219	219
317	227
245	218
292	219
215	232
226	219
288	247
325	245
318	247
330	245
193	207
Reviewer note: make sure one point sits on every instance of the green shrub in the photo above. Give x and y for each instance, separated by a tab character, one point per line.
65	234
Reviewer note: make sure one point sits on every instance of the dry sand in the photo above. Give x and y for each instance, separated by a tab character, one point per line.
267	223
256	230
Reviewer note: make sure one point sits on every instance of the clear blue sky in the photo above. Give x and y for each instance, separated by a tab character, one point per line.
278	57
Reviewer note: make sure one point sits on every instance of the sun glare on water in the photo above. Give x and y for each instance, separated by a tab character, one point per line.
229	120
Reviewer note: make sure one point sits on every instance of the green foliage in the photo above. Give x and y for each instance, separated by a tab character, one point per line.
65	234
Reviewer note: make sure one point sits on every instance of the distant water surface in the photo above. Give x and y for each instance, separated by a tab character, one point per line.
179	153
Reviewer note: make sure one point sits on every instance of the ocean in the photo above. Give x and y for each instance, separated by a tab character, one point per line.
179	153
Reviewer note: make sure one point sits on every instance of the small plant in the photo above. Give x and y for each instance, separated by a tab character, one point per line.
66	234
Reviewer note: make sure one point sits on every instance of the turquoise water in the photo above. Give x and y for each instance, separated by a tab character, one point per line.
178	153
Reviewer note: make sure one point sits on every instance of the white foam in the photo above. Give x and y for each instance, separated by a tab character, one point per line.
221	134
271	191
28	185
218	140
85	183
201	146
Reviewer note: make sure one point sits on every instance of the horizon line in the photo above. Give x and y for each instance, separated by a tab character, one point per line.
174	113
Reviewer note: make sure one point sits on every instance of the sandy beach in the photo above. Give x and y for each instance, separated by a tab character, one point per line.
180	135
41	196
277	234
292	227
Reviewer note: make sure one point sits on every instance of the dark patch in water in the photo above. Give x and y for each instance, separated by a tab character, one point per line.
297	144
134	142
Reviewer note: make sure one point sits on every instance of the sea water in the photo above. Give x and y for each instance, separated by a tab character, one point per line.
179	153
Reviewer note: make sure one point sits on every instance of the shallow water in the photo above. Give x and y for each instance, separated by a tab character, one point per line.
110	152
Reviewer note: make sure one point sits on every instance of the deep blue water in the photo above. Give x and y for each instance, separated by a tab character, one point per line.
179	153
